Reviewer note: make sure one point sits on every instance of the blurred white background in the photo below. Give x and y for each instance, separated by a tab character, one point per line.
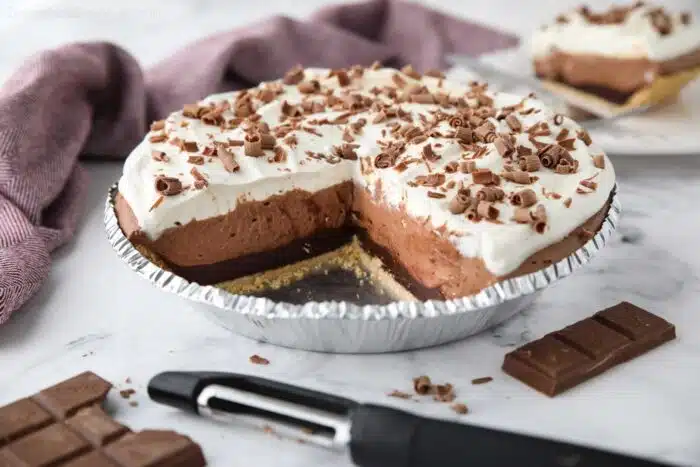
152	29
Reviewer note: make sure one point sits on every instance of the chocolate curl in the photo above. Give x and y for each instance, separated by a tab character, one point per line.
517	176
514	123
343	78
159	156
435	73
429	155
459	203
398	80
423	98
558	119
452	167
487	210
490	193
408	70
584	136
380	117
465	135
539	219
384	160
158	125
309	87
524	198
456	121
267	141
504	146
482	176
227	158
467	167
530	163
471	213
189	146
290	110
252	145
158	138
280	154
599	161
168	186
199	180
550	155
486	131
564	167
294	75
522	216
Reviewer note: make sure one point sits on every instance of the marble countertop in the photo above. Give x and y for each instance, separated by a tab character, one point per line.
94	313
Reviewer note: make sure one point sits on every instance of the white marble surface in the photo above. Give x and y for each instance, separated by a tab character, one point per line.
95	314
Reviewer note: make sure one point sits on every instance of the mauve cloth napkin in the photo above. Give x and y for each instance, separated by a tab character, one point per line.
94	98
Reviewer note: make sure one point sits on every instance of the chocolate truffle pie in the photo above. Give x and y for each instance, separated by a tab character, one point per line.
434	189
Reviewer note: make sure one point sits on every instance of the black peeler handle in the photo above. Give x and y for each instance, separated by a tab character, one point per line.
386	437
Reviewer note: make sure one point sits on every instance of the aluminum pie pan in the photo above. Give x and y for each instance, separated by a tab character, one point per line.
346	327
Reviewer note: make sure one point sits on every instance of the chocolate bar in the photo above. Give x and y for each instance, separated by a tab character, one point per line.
64	425
568	357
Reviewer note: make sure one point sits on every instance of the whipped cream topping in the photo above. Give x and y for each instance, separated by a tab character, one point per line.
637	36
309	163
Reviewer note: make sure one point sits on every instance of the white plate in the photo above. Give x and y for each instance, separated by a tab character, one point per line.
671	129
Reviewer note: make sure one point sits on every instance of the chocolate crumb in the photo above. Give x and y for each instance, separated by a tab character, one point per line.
399	394
461	409
422	385
484	380
133	403
567	202
127	393
444	393
258	360
159	156
196	160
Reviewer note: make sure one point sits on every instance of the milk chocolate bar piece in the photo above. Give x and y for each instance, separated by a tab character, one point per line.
64	425
568	357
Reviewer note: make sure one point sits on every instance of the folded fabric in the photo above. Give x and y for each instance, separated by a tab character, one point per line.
93	98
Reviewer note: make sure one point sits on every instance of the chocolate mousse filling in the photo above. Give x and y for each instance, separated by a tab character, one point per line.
614	79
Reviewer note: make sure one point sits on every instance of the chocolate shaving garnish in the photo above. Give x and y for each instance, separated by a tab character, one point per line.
311	130
235	142
423	98
290	110
539	219
567	202
452	167
471	213
158	125
309	87
193	110
422	385
258	360
294	76
346	151
199	180
435	194
568	144
486	132
168	186
584	136
530	163
158	138
491	194
465	135
550	155
429	155
517	176
409	71
343	78
504	146
514	123
347	136
661	21
467	167
432	180
562	19
197	160
487	210
444	392
524	198
399	394
157	203
252	145
227	159
599	161
460	408
483	176
159	156
280	155
435	73
384	160
189	146
459	203
483	380
398	80
686	18
558	119
564	168
563	134
267	141
291	141
522	215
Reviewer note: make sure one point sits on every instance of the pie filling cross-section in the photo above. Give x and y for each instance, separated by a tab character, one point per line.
438	189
